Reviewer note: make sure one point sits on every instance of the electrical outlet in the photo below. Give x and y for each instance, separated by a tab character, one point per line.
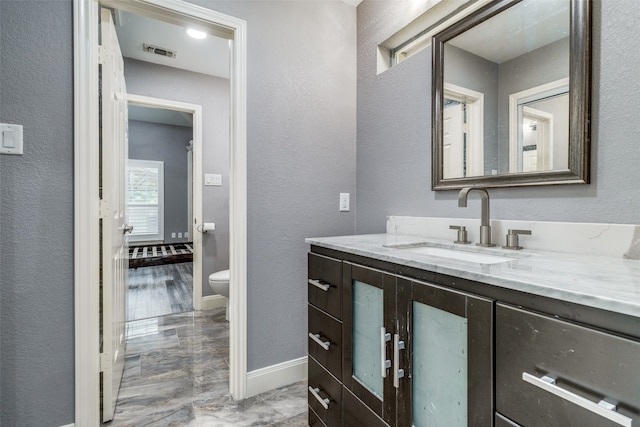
179	235
186	234
173	235
344	202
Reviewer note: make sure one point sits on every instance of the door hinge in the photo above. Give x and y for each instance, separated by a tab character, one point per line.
102	55
105	362
104	209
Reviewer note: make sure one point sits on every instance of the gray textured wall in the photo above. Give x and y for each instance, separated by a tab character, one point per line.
546	64
471	71
36	221
166	143
212	93
301	131
394	124
301	143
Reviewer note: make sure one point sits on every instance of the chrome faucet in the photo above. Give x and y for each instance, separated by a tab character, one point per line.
485	228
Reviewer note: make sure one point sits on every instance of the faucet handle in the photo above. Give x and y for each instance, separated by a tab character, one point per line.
512	239
462	234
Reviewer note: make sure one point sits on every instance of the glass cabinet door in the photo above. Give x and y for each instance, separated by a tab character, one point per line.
369	302
368	318
448	356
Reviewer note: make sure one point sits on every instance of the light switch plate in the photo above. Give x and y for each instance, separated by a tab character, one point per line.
213	179
344	202
11	136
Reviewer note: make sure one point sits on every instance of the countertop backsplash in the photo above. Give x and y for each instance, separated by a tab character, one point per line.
613	240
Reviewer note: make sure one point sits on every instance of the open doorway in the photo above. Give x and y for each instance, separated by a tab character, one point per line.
169	147
159	208
87	272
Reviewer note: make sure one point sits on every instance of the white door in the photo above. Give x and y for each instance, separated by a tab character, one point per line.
537	129
115	263
452	142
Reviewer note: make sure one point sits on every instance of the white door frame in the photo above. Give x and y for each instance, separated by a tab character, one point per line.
86	206
522	97
196	112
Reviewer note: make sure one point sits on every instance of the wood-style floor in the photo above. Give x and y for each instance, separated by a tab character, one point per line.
160	290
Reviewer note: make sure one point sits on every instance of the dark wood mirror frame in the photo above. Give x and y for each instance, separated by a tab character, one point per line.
579	105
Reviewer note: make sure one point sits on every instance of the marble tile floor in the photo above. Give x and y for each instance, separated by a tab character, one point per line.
177	374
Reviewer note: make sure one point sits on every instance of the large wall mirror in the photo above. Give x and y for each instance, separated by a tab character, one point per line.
511	96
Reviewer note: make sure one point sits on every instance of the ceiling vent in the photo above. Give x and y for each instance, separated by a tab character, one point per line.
159	50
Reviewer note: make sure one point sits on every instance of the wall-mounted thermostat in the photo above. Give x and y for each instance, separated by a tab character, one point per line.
11	139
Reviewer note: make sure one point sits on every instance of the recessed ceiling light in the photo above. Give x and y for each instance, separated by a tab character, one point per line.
196	34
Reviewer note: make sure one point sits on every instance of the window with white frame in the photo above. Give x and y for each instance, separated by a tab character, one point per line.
145	200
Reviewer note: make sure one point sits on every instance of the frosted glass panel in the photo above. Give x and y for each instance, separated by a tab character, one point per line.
367	321
439	368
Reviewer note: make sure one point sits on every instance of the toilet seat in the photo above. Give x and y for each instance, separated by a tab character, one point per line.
219	276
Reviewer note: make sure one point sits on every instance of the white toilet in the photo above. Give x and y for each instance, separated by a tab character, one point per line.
219	283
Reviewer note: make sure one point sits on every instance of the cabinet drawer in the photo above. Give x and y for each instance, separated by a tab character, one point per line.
324	386
588	366
325	284
325	340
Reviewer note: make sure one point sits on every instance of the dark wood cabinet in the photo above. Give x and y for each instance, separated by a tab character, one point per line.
324	340
325	394
417	353
356	414
550	372
369	298
448	357
390	346
324	285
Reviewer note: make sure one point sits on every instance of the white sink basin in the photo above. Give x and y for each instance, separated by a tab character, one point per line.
452	253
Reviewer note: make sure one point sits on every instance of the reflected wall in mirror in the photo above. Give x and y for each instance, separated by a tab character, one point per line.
511	96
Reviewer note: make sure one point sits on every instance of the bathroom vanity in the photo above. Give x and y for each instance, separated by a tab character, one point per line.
408	330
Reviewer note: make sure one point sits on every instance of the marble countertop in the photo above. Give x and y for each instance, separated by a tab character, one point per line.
597	281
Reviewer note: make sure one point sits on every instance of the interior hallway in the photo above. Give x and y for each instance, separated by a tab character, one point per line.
177	374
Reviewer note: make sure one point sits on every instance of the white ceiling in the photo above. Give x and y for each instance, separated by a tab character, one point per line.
208	56
522	28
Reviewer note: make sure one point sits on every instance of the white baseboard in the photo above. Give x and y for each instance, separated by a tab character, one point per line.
272	377
69	425
213	301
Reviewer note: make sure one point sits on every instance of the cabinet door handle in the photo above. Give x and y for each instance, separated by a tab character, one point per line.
323	402
604	409
316	338
397	372
384	362
318	284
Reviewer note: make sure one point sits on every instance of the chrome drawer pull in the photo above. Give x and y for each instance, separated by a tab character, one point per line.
384	362
603	408
323	402
318	284
397	372
316	338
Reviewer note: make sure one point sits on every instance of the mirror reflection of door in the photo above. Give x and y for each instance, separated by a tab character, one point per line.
546	108
463	138
536	140
454	139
